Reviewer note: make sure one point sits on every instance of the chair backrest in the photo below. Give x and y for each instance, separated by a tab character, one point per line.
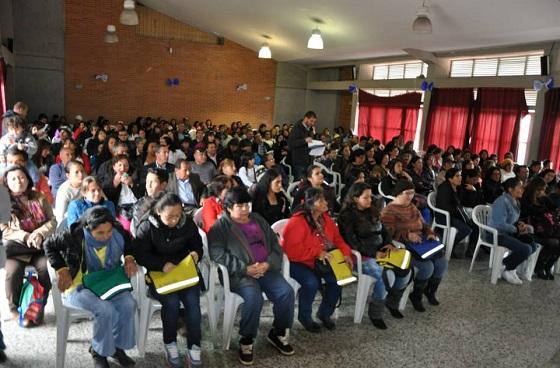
56	294
432	200
278	228
290	189
481	214
197	217
386	196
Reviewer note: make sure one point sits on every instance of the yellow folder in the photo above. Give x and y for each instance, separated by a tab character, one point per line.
183	276
341	270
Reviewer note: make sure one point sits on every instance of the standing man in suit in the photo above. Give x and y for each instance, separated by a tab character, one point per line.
300	136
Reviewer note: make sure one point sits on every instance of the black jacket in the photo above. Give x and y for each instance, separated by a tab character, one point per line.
297	145
157	244
491	190
362	232
328	192
448	200
271	213
65	249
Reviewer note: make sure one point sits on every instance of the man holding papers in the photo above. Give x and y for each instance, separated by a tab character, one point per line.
298	143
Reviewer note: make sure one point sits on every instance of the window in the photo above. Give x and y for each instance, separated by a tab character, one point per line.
524	136
497	66
404	70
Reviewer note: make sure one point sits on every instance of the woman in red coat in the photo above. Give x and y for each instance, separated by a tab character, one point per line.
308	237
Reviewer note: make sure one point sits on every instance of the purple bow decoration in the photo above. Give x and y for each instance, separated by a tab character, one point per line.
352	88
172	82
176	81
425	86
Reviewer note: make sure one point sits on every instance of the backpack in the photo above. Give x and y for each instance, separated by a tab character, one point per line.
31	300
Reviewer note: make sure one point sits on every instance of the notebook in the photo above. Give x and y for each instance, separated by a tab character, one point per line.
183	276
341	270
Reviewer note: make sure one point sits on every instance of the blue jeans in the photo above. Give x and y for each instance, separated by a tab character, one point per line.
113	322
520	251
310	283
277	290
171	303
372	268
429	268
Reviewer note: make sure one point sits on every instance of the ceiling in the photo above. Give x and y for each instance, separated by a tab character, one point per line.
359	29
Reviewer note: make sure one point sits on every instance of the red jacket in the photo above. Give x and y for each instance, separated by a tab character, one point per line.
211	210
301	244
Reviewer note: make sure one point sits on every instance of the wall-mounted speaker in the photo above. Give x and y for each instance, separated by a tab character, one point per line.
545	65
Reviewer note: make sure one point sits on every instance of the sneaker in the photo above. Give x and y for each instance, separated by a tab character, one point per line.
511	277
194	356
327	322
281	342
246	354
172	355
98	360
123	359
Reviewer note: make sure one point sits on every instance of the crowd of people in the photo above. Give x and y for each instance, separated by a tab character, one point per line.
92	196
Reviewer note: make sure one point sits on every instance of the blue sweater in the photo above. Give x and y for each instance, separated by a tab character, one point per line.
505	214
77	207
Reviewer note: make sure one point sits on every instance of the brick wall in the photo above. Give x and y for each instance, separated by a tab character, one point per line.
138	67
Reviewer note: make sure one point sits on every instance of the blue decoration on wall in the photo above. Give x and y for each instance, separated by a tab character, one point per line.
426	86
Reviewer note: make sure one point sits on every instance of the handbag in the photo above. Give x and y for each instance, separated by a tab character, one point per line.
107	283
183	276
16	248
425	249
397	260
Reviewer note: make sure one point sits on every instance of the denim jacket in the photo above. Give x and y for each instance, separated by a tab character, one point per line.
505	214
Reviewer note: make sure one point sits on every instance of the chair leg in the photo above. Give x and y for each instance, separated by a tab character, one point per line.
364	284
404	298
476	249
530	263
557	266
62	327
497	264
230	310
451	233
145	314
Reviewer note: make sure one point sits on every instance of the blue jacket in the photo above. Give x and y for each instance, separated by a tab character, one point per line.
77	207
505	214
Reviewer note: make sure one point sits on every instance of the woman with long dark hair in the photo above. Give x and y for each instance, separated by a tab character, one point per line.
361	227
268	199
491	184
538	211
309	235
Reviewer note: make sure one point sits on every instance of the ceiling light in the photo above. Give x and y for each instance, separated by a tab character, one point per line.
111	34
129	17
422	23
264	52
315	41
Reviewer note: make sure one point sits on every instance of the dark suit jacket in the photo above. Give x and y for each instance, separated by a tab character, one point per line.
196	184
297	145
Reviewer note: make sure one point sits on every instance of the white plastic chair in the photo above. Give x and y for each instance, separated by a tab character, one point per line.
449	232
386	196
65	315
289	191
147	307
365	282
283	162
278	228
337	179
481	214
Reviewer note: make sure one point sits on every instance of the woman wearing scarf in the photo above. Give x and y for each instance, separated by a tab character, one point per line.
31	222
97	243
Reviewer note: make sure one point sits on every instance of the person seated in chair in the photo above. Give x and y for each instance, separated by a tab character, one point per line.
245	244
404	223
97	243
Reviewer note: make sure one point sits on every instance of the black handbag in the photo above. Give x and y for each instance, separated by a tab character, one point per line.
322	268
16	248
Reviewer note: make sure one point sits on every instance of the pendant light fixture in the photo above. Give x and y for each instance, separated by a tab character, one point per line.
111	34
422	24
264	52
129	17
315	41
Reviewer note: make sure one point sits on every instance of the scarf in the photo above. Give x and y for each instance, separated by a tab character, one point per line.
113	253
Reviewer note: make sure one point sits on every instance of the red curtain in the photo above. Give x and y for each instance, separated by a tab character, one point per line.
2	91
497	115
387	117
448	117
549	143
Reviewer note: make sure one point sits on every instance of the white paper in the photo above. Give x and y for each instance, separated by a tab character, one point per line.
317	148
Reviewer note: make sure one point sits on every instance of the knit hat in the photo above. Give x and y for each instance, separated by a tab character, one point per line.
401	186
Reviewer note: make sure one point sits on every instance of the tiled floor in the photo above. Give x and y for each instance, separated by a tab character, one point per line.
477	325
